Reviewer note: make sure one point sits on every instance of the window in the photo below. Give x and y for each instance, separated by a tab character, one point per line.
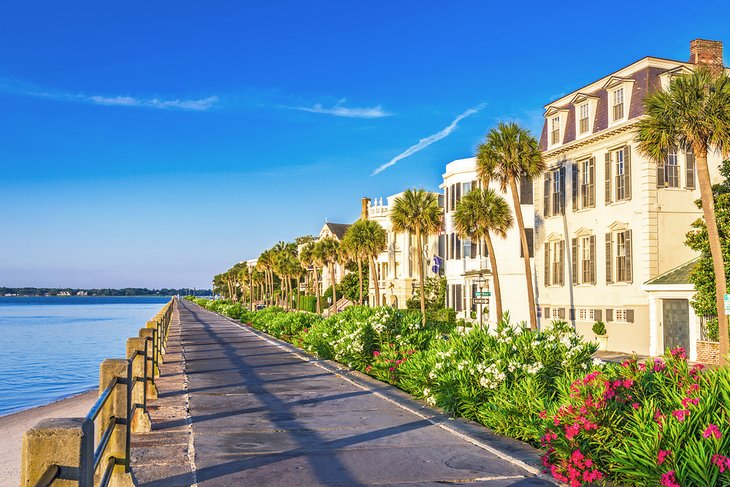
555	130
618	104
525	190
588	183
467	248
583	260
583	119
530	237
671	170
620	315
467	187
623	256
554	264
618	163
586	314
558	188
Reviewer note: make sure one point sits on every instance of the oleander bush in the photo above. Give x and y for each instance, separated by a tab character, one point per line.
635	424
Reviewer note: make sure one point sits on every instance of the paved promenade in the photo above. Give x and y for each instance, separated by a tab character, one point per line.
236	408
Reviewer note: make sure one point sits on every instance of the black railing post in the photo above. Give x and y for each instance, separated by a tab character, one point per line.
144	383
128	425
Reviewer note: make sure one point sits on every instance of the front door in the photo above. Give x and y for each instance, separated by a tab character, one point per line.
676	323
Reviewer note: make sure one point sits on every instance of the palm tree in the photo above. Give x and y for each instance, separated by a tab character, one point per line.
508	154
265	265
693	114
477	215
417	212
307	259
366	239
330	255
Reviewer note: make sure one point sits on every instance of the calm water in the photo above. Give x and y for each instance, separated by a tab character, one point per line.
51	348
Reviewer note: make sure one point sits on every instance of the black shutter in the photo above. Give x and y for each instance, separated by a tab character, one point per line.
609	315
547	264
446	199
608	177
592	255
597	314
609	257
630	315
458	297
627	172
660	180
562	262
457	246
689	159
474	244
547	311
546	195
592	182
530	238
562	190
574	260
561	313
576	178
525	190
458	194
627	241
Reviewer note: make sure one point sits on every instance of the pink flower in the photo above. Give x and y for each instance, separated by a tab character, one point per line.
696	369
659	365
628	383
391	369
690	400
722	462
679	352
669	480
592	476
542	414
577	458
642	366
571	431
712	430
680	414
376	353
368	368
549	436
662	455
693	388
635	405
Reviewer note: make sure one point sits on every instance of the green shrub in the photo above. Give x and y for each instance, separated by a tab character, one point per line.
599	328
308	303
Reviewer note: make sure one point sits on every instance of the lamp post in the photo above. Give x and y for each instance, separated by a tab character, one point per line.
392	294
480	284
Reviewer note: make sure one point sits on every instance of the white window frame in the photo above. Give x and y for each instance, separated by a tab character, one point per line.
581	108
586	314
555	127
672	157
620	168
620	315
618	95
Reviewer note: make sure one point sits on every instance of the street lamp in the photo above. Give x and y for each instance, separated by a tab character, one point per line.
480	284
392	294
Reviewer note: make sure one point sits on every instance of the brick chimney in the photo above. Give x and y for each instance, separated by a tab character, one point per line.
364	210
707	53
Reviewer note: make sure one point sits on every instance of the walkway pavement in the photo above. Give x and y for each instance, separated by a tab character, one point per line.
238	408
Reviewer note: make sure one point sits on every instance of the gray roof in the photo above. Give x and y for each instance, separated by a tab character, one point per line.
678	275
338	229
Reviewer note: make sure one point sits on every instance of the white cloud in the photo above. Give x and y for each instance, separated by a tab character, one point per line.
426	141
200	105
341	111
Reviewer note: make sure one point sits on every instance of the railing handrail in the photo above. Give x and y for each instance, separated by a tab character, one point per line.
152	352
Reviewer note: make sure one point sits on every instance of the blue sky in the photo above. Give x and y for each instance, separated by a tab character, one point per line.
157	143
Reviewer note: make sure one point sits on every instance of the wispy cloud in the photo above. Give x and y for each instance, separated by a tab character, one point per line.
338	110
426	141
129	101
13	86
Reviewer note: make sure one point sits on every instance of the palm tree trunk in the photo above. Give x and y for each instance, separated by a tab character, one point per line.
713	236
316	290
525	253
495	275
359	275
334	285
298	292
419	247
376	284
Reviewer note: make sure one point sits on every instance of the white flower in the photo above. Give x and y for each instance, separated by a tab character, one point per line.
598	361
432	375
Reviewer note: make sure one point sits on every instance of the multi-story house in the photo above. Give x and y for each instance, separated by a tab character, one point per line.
609	219
398	266
336	231
467	264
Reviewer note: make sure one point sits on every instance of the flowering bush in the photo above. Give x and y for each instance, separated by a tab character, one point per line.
662	422
659	423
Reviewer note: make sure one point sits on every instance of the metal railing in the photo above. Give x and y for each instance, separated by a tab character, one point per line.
151	354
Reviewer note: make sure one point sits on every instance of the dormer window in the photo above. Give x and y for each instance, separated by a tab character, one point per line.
555	130
618	104
583	124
